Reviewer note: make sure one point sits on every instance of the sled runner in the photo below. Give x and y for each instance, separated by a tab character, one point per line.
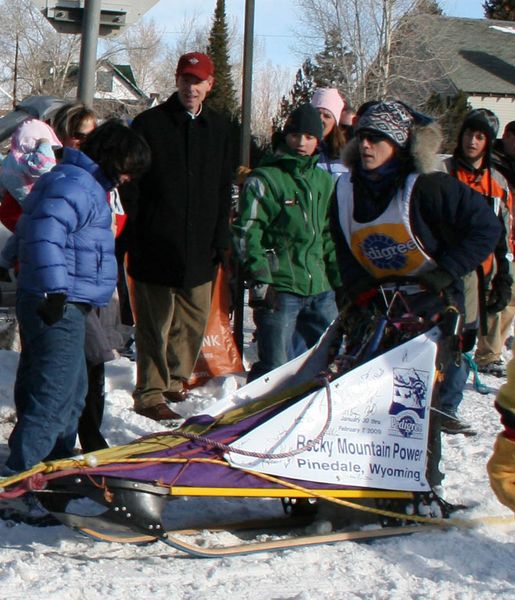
345	423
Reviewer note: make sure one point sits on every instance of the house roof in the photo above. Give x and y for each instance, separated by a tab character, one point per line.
125	73
482	52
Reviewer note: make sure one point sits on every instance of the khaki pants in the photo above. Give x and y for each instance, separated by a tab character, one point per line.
499	327
170	325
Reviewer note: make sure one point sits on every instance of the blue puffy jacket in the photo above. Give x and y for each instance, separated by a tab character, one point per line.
64	239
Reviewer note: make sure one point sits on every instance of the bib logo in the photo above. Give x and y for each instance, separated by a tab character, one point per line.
409	403
408	427
386	253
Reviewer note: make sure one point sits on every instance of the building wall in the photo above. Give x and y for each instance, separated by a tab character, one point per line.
120	90
504	108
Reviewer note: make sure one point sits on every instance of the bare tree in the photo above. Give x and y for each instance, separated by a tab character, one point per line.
142	47
372	32
270	84
34	58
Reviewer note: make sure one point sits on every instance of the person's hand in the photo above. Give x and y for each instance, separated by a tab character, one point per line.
262	295
219	257
436	280
500	295
362	292
51	308
5	275
501	471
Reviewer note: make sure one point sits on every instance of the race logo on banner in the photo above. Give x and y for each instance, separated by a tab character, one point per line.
377	431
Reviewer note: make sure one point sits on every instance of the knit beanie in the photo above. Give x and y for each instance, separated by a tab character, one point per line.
305	119
392	119
330	99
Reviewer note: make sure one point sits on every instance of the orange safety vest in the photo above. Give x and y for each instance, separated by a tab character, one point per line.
492	185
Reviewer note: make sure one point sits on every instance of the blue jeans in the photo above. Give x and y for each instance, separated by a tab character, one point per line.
304	318
50	387
453	384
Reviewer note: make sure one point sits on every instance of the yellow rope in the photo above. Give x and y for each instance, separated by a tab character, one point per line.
54	466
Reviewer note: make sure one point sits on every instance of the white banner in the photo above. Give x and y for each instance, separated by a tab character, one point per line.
378	429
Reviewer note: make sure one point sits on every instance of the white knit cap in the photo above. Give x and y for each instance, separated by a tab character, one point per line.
330	99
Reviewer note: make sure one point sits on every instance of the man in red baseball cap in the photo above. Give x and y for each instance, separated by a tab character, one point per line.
195	63
194	78
179	232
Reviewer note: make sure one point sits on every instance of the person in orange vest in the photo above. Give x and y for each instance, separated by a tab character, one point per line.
471	164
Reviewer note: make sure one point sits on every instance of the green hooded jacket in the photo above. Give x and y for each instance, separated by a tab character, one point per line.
282	232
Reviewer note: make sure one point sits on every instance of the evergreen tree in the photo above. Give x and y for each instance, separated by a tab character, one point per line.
450	116
504	10
334	66
223	96
427	7
301	92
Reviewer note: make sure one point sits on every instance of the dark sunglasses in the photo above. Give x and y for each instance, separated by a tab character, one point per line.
372	136
78	135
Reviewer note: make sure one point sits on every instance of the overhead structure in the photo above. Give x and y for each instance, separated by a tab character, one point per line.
92	18
66	16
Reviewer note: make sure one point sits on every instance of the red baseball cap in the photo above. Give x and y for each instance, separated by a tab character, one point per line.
195	63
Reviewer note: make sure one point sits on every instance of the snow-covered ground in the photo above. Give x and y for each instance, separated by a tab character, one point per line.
57	563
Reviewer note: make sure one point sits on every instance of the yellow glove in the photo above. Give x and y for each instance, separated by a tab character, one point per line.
501	470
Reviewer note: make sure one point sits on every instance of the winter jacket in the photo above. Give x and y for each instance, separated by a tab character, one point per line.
179	214
504	164
501	466
282	231
64	240
494	188
333	166
452	223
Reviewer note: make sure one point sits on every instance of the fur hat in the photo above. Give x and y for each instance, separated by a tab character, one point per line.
484	120
305	119
330	99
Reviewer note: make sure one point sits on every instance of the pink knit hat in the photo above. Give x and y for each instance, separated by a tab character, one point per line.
330	99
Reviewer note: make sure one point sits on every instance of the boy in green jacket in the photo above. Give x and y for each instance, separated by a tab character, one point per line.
283	240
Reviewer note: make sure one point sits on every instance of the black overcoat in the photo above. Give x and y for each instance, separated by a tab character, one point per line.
180	212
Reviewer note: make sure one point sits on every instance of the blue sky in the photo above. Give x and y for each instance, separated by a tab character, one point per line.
274	20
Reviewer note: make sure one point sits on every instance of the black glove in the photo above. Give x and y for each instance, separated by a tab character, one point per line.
360	293
262	295
4	274
51	308
220	257
500	295
436	280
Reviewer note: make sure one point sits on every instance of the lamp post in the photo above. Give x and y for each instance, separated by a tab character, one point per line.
88	51
248	50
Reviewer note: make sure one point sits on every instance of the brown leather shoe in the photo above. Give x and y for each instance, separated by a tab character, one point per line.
175	397
159	412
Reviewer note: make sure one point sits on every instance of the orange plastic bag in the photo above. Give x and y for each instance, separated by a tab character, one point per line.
219	354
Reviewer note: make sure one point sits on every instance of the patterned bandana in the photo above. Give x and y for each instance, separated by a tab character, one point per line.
392	119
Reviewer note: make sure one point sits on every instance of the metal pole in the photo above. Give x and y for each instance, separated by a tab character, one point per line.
15	74
248	49
88	51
